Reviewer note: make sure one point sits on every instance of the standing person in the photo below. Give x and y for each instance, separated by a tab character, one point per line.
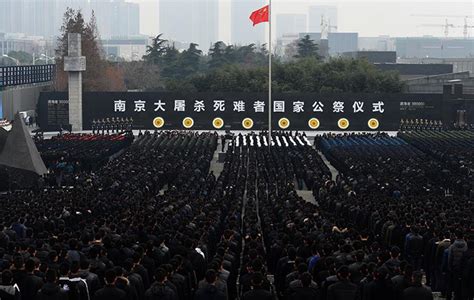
223	139
417	291
51	290
9	290
32	283
209	291
307	291
381	287
455	253
159	289
467	264
414	247
110	291
257	292
343	289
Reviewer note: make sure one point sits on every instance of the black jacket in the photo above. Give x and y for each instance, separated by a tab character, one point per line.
9	292
110	293
258	294
160	291
417	293
92	280
304	293
209	292
342	290
31	285
380	289
467	264
51	291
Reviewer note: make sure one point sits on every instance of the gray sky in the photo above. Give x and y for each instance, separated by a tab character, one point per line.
369	18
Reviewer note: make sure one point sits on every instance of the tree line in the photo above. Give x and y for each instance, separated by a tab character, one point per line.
224	68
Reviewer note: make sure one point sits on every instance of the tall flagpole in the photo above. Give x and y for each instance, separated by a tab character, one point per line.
270	106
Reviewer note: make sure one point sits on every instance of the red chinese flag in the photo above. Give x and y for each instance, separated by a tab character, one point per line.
260	15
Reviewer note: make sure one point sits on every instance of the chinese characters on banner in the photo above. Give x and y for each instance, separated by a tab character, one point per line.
241	106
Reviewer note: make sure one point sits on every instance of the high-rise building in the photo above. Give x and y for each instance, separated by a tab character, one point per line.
116	18
317	12
242	30
424	47
45	17
337	42
8	9
288	24
190	21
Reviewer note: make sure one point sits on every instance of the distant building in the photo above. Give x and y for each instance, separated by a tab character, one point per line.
194	21
288	24
409	71
379	43
459	64
338	42
435	83
242	30
378	57
316	12
45	17
116	18
129	49
29	44
427	47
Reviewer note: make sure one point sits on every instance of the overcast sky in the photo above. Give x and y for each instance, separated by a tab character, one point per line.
369	18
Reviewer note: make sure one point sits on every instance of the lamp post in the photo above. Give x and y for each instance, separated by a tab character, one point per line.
17	62
47	58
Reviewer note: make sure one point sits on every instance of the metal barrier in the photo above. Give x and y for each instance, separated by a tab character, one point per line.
19	75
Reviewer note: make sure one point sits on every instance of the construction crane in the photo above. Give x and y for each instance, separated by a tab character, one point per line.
466	28
326	27
446	26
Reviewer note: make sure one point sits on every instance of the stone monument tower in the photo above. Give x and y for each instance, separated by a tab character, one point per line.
75	64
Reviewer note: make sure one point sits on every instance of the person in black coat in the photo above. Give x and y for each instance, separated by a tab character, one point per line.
343	289
8	290
257	292
210	291
417	291
51	290
32	283
402	281
467	263
306	292
110	291
381	287
159	289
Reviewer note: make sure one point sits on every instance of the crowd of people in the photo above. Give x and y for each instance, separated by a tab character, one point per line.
155	222
67	155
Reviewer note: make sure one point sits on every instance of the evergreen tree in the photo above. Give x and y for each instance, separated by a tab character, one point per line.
218	55
307	48
99	75
156	51
191	58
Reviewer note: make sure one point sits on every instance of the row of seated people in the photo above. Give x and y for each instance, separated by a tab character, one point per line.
67	155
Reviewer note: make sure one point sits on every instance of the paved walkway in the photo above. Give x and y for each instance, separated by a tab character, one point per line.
307	196
217	166
334	171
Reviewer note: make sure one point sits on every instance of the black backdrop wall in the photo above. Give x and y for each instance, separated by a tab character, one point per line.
232	108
